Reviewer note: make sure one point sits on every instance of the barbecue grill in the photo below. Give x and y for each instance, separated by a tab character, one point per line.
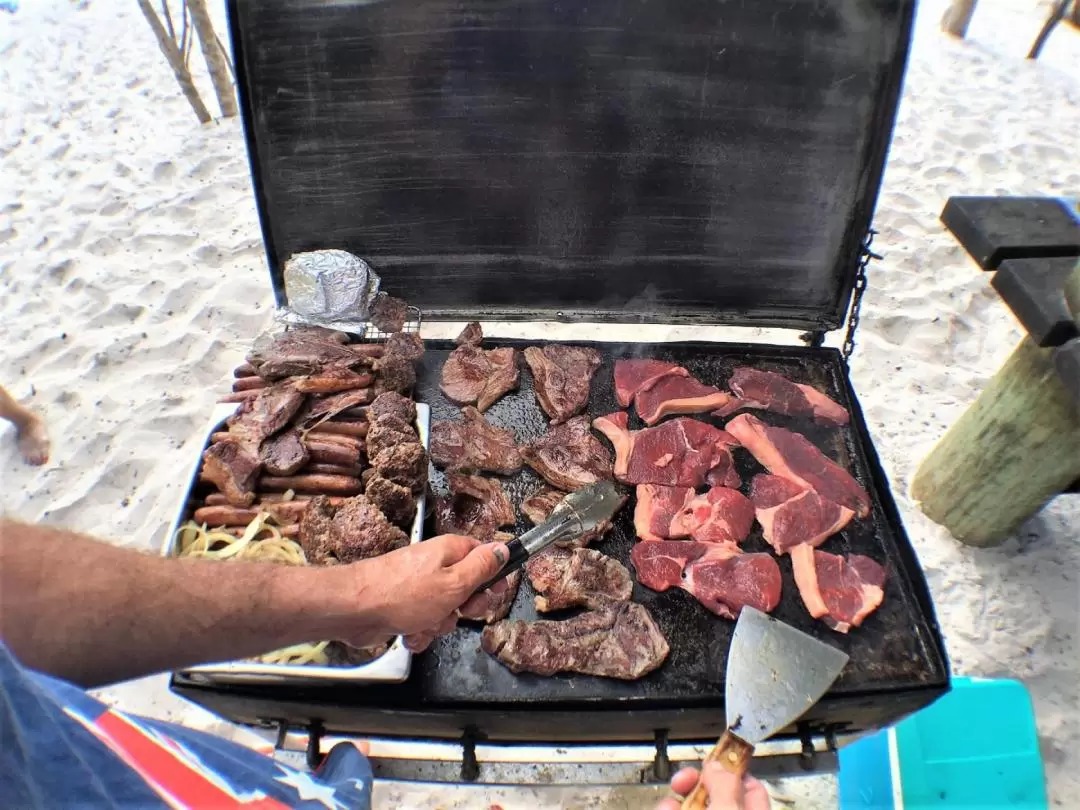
686	162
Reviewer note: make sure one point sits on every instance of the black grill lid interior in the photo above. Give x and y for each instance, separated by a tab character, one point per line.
625	160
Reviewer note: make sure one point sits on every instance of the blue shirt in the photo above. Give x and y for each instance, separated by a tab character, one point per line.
61	748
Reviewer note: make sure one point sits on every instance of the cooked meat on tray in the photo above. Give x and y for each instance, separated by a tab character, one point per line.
791	514
393	373
842	591
332	381
355	530
634	374
233	469
266	414
569	456
405	345
404	464
537	508
319	408
303	351
580	577
769	391
389	314
718	575
619	641
392	404
562	377
388	432
472	375
680	453
792	456
284	454
720	515
393	500
473	444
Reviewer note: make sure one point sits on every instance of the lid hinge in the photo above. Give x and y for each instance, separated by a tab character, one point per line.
866	255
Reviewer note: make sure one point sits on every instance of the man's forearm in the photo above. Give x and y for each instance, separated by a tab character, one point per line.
94	613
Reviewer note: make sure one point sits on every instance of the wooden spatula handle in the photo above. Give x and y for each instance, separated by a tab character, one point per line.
734	755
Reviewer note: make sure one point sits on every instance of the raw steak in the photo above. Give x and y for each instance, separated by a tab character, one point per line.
474	375
677	393
539	506
656	508
791	514
718	575
581	577
774	392
720	515
473	444
840	590
562	377
619	641
569	456
284	454
234	469
792	456
476	507
679	453
633	375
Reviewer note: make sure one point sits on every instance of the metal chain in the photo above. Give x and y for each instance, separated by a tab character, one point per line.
865	257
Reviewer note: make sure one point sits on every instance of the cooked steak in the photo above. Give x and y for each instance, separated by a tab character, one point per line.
474	375
389	314
679	453
539	506
718	575
774	392
394	501
315	529
405	345
677	393
392	403
324	407
404	464
562	376
234	469
619	641
284	454
301	351
569	456
476	507
265	414
394	373
792	456
842	591
581	577
388	432
634	374
791	515
498	605
356	530
474	444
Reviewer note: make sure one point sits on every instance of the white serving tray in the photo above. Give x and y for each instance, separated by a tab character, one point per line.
393	666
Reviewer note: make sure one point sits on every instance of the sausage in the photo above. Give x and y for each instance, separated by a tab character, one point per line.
368	349
231	515
342	428
332	385
239	396
326	453
320	437
270	498
318	483
333	469
248	383
245	370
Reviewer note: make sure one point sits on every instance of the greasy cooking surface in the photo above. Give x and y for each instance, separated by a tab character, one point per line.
894	648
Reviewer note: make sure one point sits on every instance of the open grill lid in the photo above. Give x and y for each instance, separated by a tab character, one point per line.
691	160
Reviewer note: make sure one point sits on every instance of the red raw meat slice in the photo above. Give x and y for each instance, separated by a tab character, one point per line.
840	590
791	514
677	393
792	456
721	515
656	508
679	453
774	392
718	575
633	375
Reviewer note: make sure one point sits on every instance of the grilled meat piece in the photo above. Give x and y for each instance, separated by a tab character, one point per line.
265	414
404	464
315	528
774	392
389	314
284	454
842	591
474	375
405	345
537	508
474	444
234	469
302	351
393	373
390	431
476	507
569	456
582	577
394	501
324	407
498	605
562	377
333	380
392	403
718	575
620	641
356	530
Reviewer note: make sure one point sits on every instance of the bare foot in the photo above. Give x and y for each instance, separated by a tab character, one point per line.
34	442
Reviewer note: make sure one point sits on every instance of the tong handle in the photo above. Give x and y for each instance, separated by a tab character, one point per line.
733	754
518	555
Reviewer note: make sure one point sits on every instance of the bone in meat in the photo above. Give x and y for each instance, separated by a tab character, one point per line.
569	456
472	375
580	577
562	377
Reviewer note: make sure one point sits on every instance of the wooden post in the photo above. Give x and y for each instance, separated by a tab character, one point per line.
216	63
1013	450
957	17
1056	16
176	62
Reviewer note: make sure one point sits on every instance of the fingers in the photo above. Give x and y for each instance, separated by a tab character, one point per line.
453	548
725	789
480	565
684	781
418	642
757	797
669	804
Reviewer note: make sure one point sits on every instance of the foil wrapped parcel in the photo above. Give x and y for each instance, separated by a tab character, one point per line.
331	288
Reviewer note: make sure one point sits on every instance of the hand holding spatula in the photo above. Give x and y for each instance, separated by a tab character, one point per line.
775	673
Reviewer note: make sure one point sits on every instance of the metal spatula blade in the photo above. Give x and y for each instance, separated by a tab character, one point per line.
775	673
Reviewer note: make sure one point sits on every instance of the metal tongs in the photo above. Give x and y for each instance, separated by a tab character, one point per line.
579	512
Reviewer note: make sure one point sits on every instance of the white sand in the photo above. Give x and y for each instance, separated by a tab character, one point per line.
134	278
